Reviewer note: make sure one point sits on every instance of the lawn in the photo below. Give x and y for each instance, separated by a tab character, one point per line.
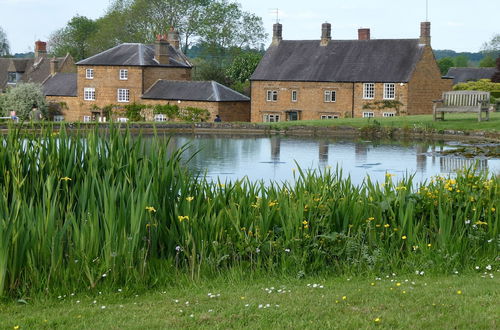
452	301
461	122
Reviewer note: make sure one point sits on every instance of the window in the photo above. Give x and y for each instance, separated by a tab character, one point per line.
89	73
123	95
389	91
161	117
122	120
272	96
388	114
87	119
293	115
368	114
89	94
58	118
270	118
294	96
12	78
330	96
329	116
123	74
368	90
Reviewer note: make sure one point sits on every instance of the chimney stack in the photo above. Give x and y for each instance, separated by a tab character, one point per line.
173	38
363	34
425	33
326	34
40	49
161	49
54	66
277	33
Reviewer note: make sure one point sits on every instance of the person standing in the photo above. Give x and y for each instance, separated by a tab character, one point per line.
217	119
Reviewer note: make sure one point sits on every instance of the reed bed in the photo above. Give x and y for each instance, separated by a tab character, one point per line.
105	208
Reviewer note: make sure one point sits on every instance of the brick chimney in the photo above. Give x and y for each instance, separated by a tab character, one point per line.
326	34
363	34
425	33
173	38
54	66
277	33
40	49
161	49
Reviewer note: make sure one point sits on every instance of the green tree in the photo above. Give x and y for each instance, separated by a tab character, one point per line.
445	64
461	61
23	99
75	38
4	43
492	47
481	85
487	62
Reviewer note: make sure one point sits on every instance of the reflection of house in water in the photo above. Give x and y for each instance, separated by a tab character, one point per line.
323	152
361	152
422	157
275	148
453	164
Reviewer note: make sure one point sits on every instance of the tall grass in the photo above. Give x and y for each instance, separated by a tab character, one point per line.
106	208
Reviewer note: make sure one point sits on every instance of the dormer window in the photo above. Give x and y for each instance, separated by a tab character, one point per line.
89	74
123	74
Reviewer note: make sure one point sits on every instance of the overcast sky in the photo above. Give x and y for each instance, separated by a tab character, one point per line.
460	25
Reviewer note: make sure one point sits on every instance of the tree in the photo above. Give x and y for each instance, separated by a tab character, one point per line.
487	62
23	99
445	64
4	43
492	47
74	38
461	61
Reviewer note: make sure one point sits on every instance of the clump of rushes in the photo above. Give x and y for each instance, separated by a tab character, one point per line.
96	209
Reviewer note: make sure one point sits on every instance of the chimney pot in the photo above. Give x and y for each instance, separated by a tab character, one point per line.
363	34
277	33
326	34
425	33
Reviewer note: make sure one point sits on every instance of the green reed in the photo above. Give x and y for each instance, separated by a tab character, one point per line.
87	210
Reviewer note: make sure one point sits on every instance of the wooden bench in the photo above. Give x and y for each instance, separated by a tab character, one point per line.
463	101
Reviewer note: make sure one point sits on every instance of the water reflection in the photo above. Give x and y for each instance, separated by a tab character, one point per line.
232	157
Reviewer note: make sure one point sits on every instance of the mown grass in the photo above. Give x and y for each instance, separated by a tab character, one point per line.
105	210
460	122
387	301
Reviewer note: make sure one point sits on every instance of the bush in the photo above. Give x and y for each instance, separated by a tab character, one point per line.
23	99
192	114
171	111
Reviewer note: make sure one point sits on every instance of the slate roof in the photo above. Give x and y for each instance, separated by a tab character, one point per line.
4	69
207	91
460	75
62	84
380	60
135	54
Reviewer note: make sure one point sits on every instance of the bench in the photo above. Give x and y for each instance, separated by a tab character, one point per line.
462	101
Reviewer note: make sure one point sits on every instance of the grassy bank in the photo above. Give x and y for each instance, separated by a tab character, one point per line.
90	212
387	301
459	122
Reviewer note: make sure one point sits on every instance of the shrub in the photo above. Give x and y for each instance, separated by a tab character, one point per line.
23	99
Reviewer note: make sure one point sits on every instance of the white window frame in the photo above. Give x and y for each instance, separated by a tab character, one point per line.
330	96
89	94
389	114
368	91
271	118
123	95
389	91
58	118
87	119
123	74
295	95
122	120
160	117
368	114
89	74
272	96
329	117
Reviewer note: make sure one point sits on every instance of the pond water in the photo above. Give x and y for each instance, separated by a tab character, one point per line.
276	157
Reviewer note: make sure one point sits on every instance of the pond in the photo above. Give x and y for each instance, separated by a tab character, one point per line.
232	157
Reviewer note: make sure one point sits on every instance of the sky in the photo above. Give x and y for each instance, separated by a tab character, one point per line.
460	25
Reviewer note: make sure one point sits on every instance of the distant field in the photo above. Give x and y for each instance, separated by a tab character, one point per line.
463	122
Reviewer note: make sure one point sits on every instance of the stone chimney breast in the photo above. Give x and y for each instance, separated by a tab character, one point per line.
363	34
161	49
40	49
425	33
173	38
326	34
277	33
54	66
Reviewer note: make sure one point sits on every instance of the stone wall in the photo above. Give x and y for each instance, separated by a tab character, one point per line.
74	109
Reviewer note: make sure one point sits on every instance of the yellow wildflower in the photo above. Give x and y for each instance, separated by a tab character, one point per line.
493	209
398	284
370	219
344	298
387	225
459	292
150	209
273	203
189	199
403	237
377	320
183	217
305	222
429	245
16	327
481	223
65	179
